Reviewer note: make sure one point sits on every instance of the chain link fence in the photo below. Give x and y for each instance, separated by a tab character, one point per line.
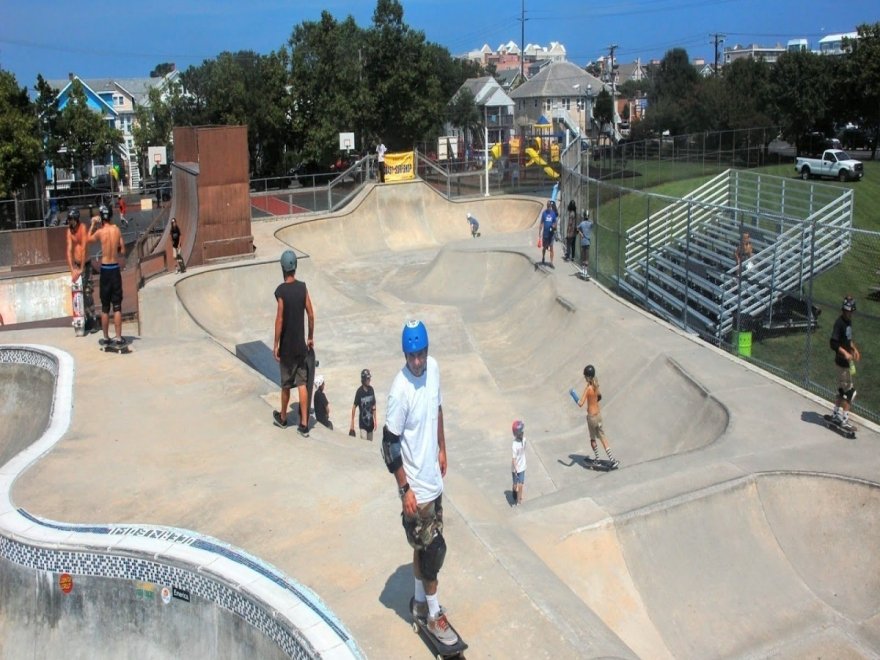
806	259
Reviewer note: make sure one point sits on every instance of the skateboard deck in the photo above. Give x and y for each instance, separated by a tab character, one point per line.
441	651
583	272
834	426
78	304
112	347
602	465
181	267
311	365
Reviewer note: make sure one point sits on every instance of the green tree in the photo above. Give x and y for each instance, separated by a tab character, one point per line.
603	108
675	78
85	133
154	123
464	114
162	69
748	98
864	72
46	107
800	87
328	87
20	148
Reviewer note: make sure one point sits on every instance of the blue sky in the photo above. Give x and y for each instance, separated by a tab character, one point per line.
96	39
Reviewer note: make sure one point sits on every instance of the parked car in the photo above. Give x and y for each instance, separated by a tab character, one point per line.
834	164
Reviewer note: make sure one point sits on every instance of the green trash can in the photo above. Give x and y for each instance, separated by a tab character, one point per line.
744	344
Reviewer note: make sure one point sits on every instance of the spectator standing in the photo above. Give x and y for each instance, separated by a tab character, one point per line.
548	230
571	230
585	230
291	347
365	404
518	462
380	160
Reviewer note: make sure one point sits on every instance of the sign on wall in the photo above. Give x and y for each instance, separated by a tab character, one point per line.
400	166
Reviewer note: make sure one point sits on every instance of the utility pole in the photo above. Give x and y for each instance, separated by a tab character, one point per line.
613	79
522	43
718	38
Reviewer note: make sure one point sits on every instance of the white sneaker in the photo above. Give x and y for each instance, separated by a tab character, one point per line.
440	628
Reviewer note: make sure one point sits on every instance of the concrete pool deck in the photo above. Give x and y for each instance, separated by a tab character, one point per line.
738	524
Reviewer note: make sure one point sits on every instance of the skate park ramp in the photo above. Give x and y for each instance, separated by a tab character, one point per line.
770	565
725	533
26	393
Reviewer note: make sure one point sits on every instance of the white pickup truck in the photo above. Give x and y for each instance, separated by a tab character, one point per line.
834	163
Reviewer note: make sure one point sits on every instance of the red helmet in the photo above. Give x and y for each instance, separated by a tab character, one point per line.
517	427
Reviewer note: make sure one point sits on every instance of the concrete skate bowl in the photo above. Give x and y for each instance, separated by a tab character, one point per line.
236	303
404	217
26	394
774	564
519	325
103	589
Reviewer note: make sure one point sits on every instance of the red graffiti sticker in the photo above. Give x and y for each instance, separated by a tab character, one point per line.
66	582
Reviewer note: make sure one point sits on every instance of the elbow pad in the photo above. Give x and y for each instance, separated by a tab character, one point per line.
391	450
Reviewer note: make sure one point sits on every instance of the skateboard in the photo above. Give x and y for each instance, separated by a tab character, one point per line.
112	347
835	426
583	271
311	365
441	651
181	267
602	465
78	304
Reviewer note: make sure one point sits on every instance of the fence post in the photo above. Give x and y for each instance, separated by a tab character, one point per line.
808	339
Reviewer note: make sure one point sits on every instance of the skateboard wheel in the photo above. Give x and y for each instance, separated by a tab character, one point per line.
415	627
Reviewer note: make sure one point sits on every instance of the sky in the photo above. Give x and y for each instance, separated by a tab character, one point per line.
126	40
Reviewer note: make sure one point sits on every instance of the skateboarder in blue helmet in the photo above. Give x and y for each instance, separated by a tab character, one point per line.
846	355
414	450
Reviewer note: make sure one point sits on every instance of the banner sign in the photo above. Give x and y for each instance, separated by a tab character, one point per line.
400	166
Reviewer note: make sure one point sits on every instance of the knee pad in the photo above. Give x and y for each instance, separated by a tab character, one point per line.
431	558
850	394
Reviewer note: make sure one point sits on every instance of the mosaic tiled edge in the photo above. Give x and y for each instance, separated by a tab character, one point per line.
79	561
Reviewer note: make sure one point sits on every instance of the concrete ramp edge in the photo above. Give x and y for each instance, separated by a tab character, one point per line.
288	613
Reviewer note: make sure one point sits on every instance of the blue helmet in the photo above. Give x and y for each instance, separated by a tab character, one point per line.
415	337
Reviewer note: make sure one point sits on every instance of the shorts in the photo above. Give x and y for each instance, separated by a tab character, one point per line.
845	380
111	288
425	525
519	477
294	375
594	424
366	433
547	239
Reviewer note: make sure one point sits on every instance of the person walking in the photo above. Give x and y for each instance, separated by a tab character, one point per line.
591	397
365	403
547	229
585	230
571	230
380	159
518	461
846	354
291	346
112	247
414	450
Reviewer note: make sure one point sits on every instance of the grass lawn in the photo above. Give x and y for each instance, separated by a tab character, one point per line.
801	357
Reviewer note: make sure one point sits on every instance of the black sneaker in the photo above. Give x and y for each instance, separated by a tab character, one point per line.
302	430
281	424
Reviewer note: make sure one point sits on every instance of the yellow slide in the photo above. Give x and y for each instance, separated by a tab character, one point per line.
535	159
494	153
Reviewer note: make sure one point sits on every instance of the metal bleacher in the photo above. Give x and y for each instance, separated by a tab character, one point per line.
680	262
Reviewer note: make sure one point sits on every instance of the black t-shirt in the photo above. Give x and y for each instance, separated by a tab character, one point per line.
365	400
321	407
293	340
841	335
175	236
